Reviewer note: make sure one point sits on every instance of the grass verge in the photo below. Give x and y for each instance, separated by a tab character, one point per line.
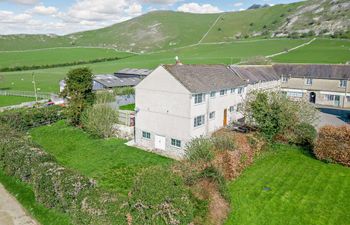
130	107
14	100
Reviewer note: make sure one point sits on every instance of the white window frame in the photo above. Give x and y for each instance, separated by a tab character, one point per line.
284	79
240	90
343	83
199	121
330	98
223	92
233	90
148	135
175	143
198	97
212	115
307	81
213	94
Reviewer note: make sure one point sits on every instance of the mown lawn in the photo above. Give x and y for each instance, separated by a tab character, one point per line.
288	186
113	164
25	195
14	100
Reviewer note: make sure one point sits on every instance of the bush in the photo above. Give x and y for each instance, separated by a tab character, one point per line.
25	119
160	197
304	135
333	144
223	143
99	119
200	149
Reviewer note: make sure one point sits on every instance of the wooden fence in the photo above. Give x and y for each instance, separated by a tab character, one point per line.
42	95
126	118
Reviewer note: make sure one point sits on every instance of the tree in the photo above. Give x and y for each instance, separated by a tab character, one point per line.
78	91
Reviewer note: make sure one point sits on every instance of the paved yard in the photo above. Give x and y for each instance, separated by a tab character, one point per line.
329	119
11	212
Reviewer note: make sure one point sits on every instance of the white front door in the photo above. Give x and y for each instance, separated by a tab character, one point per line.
159	142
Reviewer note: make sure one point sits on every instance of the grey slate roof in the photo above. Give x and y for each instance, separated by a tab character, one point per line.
316	71
142	72
254	74
111	81
205	78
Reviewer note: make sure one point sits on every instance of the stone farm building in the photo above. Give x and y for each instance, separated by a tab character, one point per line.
176	103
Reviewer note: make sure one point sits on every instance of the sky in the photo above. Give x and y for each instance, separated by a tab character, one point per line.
64	16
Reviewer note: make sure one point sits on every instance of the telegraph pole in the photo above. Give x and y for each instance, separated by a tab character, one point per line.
34	85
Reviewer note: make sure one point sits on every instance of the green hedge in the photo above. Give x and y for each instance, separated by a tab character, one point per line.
36	67
25	119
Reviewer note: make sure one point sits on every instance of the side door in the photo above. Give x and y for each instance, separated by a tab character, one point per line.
159	142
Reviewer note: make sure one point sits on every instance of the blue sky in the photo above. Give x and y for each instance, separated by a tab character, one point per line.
63	16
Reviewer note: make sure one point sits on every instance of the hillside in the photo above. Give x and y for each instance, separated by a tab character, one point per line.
162	30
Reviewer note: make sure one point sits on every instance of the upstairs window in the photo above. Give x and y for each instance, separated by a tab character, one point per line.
284	79
212	94
199	98
146	135
212	115
223	92
342	83
233	90
176	143
240	90
308	81
198	121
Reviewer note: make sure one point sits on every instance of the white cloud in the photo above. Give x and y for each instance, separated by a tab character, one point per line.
8	17
43	10
167	2
134	10
197	8
23	2
238	4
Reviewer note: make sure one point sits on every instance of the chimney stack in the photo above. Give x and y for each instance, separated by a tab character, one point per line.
178	62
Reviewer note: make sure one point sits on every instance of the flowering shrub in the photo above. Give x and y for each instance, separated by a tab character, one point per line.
333	144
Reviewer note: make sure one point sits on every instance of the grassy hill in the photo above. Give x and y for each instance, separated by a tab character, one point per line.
161	30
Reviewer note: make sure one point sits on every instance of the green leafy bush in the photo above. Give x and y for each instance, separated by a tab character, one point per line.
333	144
25	119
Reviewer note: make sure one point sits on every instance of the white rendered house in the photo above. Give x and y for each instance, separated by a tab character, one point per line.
177	103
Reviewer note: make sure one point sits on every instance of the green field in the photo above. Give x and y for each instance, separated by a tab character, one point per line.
47	79
288	186
320	51
113	164
56	56
14	100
